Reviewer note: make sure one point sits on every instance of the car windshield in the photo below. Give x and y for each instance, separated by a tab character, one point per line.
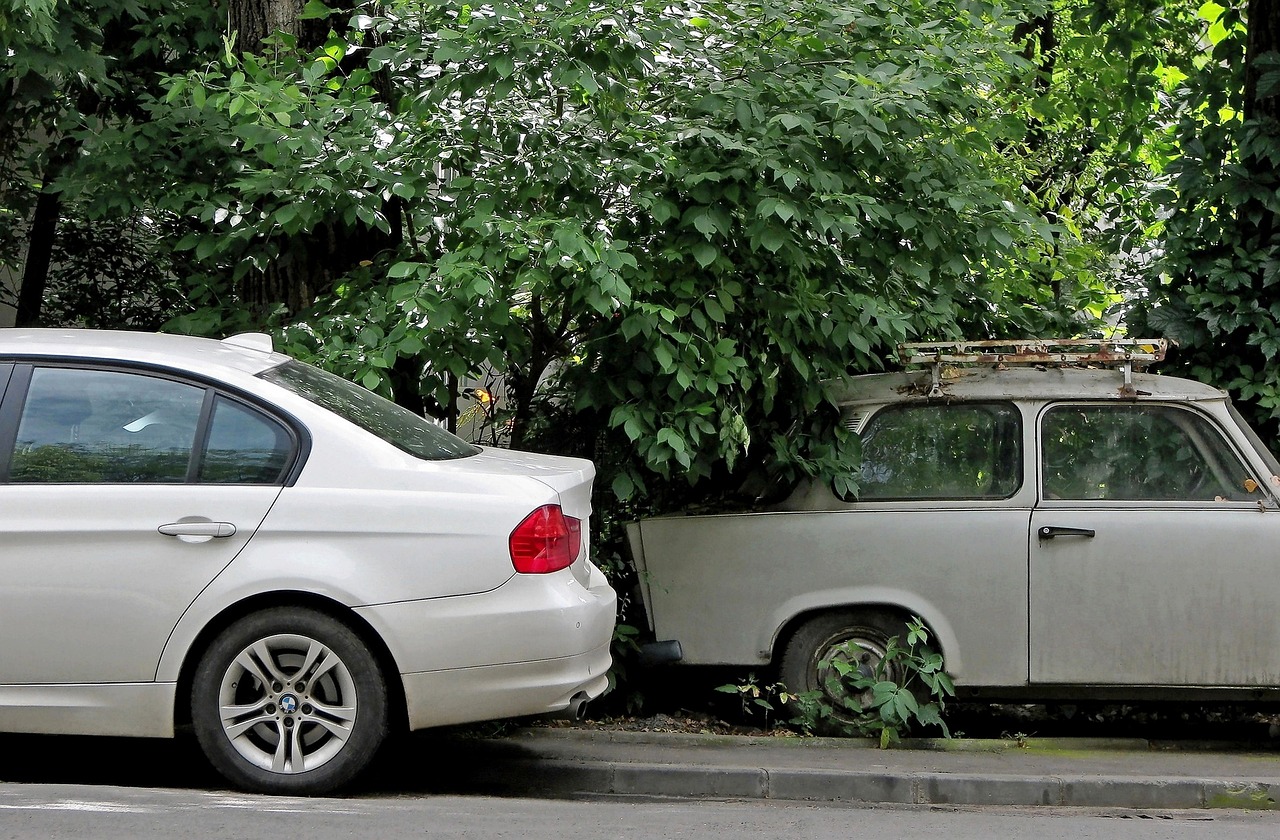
394	424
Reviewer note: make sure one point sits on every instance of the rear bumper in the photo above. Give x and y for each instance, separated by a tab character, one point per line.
463	695
524	648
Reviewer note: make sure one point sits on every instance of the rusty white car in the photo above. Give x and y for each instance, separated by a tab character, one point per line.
211	533
1066	526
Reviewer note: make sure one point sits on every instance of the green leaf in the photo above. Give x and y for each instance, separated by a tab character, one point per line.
403	269
663	357
773	239
704	222
705	253
623	486
315	10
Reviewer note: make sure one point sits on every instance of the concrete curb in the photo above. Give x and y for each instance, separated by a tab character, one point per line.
560	777
541	762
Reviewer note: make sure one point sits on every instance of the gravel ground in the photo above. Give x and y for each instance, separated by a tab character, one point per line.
1010	722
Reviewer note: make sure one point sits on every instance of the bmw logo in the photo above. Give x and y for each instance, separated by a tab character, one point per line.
288	704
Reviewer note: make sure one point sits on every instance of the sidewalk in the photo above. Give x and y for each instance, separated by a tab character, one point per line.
1126	773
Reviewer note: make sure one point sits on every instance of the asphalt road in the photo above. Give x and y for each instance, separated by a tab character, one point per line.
106	788
133	789
53	812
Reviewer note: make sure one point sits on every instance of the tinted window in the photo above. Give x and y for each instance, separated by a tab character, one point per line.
955	451
81	426
1138	453
373	413
244	446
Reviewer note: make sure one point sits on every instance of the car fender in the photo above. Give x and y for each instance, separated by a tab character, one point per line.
227	592
851	598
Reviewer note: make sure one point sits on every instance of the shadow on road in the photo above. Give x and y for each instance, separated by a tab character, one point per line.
467	761
431	762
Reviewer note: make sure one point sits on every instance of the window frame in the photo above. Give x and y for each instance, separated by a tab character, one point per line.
13	401
1020	439
1230	443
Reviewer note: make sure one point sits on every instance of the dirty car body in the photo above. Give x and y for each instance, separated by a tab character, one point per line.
205	532
1063	532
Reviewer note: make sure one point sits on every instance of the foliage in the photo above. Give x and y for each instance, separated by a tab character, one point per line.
689	218
1213	290
757	698
73	73
884	703
112	273
1093	110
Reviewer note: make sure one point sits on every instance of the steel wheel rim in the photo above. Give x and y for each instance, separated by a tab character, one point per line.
287	704
867	651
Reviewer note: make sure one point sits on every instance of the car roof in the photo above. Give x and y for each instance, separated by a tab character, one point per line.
1019	383
244	354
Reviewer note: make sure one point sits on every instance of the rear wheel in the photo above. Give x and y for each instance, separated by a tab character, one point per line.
808	660
289	701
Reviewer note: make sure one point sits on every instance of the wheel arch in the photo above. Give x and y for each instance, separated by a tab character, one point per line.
397	713
942	637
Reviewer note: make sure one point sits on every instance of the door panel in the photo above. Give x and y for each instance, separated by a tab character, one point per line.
104	537
1175	596
1153	552
89	587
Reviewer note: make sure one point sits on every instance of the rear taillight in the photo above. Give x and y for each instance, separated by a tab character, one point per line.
546	541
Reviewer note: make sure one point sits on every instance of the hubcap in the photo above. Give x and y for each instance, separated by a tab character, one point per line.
864	654
287	704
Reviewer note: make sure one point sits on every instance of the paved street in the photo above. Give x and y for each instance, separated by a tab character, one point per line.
564	784
52	812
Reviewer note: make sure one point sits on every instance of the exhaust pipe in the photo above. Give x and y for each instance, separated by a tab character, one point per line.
576	710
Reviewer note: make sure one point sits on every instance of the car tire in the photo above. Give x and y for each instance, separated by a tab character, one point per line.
289	701
805	660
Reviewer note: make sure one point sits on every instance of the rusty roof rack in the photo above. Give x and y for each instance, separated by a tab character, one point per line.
1125	353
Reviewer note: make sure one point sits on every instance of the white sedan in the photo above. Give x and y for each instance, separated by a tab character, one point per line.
209	532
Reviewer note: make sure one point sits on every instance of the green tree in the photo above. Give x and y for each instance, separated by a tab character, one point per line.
74	71
682	221
692	219
1094	109
1214	290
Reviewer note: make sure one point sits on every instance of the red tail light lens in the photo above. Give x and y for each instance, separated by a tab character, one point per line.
546	541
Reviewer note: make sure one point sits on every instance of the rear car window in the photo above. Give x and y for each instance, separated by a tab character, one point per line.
394	424
942	451
244	446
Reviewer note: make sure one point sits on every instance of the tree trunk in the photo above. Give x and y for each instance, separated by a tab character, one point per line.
255	20
1254	217
35	273
1264	38
308	262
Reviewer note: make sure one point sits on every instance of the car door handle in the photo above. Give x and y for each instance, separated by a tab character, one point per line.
1048	532
219	530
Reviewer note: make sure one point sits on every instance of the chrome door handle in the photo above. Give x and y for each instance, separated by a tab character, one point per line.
1048	532
219	530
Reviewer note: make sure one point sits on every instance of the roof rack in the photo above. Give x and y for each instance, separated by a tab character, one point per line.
1125	353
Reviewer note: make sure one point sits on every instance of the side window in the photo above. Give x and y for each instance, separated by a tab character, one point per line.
91	426
942	451
244	446
1138	453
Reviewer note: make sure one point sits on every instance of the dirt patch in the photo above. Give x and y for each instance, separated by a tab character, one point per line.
1155	722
